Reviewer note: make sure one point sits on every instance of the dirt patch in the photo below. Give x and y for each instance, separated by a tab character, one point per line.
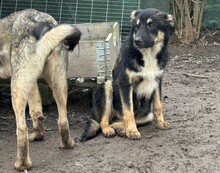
191	97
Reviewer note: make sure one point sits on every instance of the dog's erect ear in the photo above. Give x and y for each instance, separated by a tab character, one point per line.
134	14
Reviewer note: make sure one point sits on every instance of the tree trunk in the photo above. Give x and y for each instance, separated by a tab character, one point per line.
188	14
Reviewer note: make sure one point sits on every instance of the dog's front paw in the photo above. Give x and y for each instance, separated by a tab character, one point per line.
163	125
108	132
133	134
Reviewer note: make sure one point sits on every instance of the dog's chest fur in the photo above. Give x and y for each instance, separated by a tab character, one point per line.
146	79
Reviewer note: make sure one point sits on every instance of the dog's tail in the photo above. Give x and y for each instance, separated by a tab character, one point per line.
50	37
92	130
92	126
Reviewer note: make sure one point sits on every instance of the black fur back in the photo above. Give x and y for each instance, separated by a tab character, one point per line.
43	28
70	41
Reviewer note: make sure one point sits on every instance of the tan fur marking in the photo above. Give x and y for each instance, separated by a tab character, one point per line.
133	14
128	114
104	123
134	34
157	107
129	120
118	125
158	111
107	110
138	21
149	21
160	37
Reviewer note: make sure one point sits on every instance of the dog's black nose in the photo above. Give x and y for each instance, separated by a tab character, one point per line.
137	41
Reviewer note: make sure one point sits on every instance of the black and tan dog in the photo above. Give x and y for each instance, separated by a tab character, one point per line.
125	102
32	43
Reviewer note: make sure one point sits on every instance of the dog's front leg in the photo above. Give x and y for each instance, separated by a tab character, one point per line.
19	103
158	110
131	130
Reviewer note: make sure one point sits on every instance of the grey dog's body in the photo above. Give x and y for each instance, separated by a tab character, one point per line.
33	44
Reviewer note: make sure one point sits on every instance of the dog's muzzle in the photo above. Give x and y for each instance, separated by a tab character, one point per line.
140	43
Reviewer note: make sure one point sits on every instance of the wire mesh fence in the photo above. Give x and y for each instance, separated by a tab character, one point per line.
78	11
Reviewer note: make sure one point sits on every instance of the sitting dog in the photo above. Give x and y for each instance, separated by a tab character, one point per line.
124	102
33	44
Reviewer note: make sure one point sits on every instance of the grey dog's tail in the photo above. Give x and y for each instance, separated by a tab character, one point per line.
50	37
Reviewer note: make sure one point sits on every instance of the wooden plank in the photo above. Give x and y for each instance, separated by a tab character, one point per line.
114	45
82	61
95	31
109	55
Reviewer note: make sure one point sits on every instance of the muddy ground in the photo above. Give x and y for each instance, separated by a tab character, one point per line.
191	97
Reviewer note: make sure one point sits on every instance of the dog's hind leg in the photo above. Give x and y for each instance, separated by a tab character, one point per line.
55	74
119	126
158	110
141	121
100	114
19	102
107	130
143	114
35	111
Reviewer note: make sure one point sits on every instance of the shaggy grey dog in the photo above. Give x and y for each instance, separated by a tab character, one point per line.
33	44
